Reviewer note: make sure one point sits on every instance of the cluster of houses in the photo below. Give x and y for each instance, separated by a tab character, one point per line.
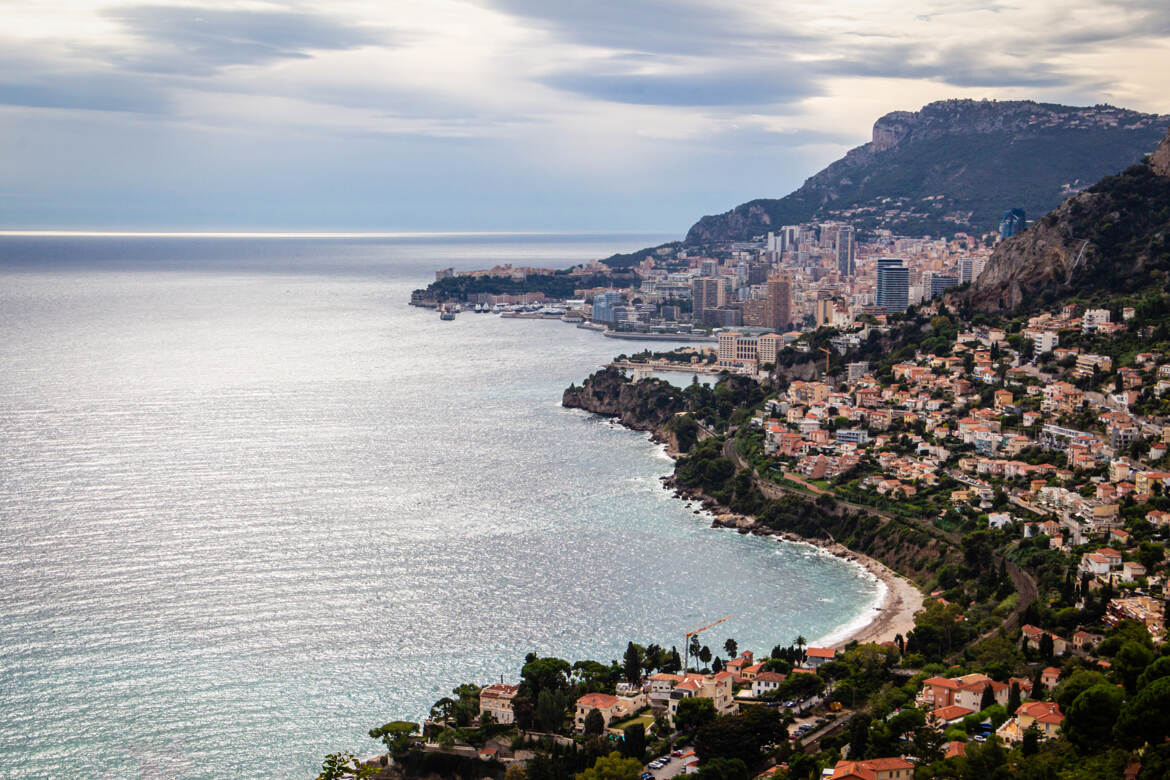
742	678
950	700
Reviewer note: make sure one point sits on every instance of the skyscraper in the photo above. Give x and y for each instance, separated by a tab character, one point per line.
893	284
941	282
779	301
846	262
604	305
1013	222
707	292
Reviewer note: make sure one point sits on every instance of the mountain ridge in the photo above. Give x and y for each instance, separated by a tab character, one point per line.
954	165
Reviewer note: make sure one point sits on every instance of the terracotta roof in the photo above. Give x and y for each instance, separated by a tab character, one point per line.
601	701
770	677
499	691
821	652
1043	711
955	748
952	712
941	682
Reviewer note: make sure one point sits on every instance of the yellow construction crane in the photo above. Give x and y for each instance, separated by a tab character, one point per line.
827	353
687	639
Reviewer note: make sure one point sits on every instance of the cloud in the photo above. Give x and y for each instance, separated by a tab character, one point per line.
764	85
659	26
200	41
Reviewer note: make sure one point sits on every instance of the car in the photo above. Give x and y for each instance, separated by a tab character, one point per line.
980	738
646	776
790	703
676	754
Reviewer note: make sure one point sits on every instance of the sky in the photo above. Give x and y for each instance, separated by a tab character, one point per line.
546	115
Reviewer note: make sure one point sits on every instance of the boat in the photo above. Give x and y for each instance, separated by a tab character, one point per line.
446	314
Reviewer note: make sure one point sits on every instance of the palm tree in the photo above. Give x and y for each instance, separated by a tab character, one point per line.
800	641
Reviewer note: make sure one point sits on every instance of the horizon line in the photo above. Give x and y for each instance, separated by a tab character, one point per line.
310	234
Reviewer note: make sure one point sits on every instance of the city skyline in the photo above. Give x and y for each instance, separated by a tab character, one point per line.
501	115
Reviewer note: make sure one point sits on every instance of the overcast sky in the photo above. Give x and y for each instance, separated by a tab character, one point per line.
504	114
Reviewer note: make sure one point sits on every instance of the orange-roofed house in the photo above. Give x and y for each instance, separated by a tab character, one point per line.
602	702
874	769
950	715
1044	715
819	655
716	687
749	672
737	665
955	748
1050	676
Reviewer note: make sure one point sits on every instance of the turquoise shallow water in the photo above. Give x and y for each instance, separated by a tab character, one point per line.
251	505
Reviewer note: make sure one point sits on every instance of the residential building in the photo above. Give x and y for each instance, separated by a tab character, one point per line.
602	702
497	700
1044	715
874	769
779	301
893	285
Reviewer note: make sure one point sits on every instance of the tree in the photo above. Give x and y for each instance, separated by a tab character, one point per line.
613	767
929	744
550	710
1030	745
718	665
1143	719
1089	721
544	673
1076	684
1013	702
344	766
594	723
633	664
705	655
1047	647
723	769
395	736
1131	660
731	647
692	713
634	741
800	641
988	697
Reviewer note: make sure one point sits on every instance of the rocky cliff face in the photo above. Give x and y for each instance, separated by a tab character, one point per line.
643	406
971	158
1112	238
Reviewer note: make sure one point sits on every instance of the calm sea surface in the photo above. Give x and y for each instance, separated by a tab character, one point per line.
252	504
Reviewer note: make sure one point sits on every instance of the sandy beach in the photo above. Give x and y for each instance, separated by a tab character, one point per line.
901	599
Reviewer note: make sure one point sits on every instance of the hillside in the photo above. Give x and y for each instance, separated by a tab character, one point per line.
955	165
1113	239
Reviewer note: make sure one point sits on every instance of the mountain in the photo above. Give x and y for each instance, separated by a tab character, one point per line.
955	165
1113	239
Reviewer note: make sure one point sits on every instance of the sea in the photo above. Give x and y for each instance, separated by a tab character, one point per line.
252	504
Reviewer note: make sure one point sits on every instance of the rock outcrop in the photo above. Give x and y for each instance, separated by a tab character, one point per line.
1112	238
954	165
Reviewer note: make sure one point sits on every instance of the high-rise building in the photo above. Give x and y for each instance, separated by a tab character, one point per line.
779	301
605	306
846	249
940	283
1013	222
708	267
970	268
893	284
707	292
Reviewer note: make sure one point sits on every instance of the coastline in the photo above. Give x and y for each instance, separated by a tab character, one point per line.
898	601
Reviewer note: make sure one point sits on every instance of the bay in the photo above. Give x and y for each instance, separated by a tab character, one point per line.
252	504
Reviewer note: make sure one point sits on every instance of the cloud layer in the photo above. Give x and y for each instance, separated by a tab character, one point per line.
500	114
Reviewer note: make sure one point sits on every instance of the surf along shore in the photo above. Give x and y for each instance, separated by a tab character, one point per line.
899	599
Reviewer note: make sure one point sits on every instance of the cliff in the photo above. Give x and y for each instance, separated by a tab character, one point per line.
954	165
1112	239
643	406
